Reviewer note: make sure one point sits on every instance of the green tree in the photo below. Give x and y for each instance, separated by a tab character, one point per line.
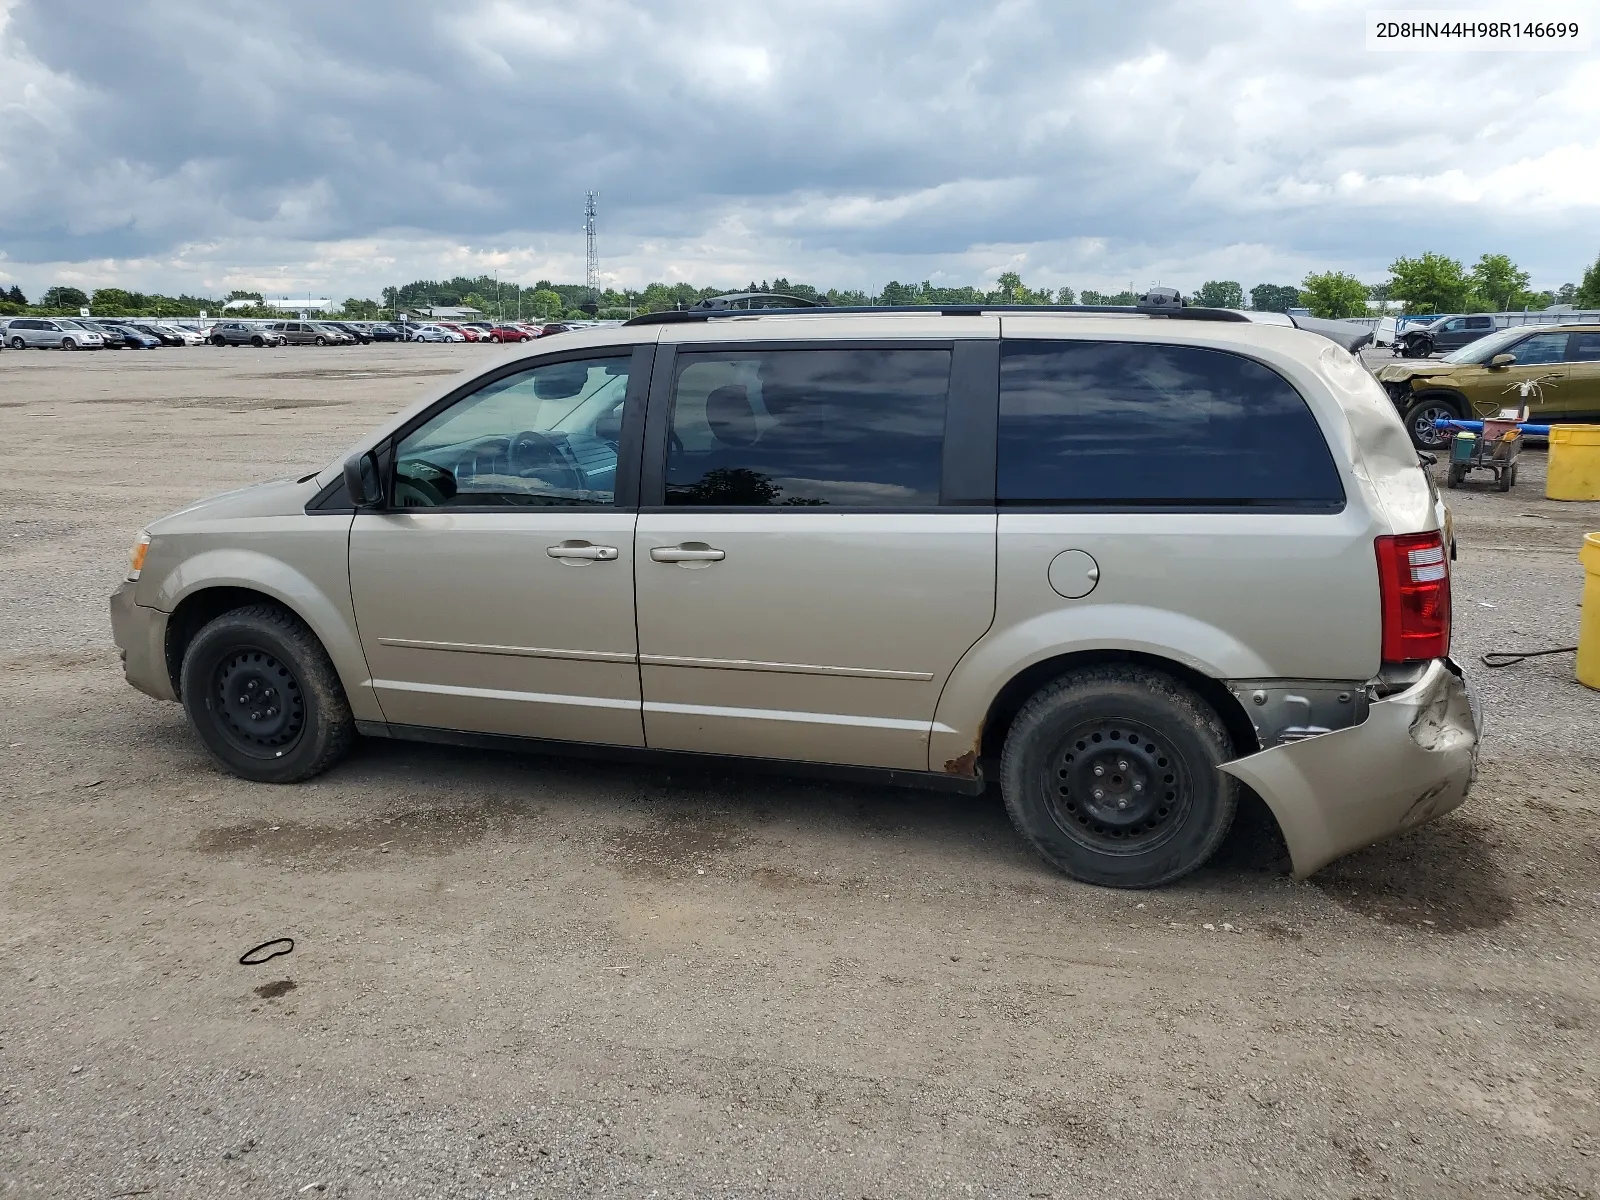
895	292
1567	293
547	303
236	295
361	310
1432	283
114	302
473	300
1273	297
1090	296
1588	292
63	297
1220	293
1066	296
1499	282
15	295
1334	294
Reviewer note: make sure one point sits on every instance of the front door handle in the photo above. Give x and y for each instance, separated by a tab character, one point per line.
689	552
582	551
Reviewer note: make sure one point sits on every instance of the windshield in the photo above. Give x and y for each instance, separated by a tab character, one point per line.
1487	346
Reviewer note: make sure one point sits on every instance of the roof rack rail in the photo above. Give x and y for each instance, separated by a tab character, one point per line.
1174	312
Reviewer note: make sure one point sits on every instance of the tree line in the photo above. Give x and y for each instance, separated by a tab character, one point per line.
1428	283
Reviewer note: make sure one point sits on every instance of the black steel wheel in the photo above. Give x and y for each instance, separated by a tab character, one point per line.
263	696
1110	773
1117	786
1420	418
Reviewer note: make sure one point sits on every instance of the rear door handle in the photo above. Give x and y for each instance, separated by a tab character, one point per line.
687	553
582	551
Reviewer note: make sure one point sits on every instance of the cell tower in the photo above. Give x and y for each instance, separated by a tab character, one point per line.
592	271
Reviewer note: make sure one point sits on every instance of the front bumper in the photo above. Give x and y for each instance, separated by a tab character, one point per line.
141	634
1410	761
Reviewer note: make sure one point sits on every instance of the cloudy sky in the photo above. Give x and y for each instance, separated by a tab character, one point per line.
336	146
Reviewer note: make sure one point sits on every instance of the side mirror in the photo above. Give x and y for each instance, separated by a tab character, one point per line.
362	482
1501	361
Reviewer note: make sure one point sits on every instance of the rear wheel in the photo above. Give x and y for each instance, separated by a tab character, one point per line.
1420	418
1111	774
262	695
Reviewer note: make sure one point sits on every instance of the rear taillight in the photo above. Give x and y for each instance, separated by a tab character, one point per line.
1414	584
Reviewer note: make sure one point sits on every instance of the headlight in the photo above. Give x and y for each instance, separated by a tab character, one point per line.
141	547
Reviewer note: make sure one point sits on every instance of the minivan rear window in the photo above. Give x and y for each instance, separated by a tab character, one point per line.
1140	424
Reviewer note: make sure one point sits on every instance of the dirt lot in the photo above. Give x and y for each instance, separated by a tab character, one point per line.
536	977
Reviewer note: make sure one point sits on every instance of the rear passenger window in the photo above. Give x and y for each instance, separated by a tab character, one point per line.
1131	423
812	428
1585	347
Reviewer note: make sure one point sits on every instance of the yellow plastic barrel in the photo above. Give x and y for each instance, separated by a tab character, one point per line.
1574	472
1589	622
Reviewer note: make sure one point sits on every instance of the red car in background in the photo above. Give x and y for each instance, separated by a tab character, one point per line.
467	331
508	333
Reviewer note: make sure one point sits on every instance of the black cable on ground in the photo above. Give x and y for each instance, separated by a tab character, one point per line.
1505	658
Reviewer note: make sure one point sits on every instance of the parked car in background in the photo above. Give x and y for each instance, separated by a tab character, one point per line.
1442	335
51	333
133	337
163	335
555	327
384	332
1554	370
468	333
237	333
307	333
185	335
360	334
508	333
111	337
930	549
435	333
335	335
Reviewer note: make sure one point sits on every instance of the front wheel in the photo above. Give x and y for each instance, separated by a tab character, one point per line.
1110	773
217	341
322	341
1420	418
258	342
68	344
18	344
263	697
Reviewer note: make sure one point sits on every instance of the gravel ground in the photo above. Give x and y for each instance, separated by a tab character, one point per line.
536	977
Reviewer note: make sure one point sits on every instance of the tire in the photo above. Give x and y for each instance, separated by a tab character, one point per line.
1419	420
1512	475
217	341
265	656
1166	807
1454	477
18	344
68	344
258	342
1505	479
322	341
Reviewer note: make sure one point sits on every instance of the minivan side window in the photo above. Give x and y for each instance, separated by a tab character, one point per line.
855	428
1480	322
1128	424
543	437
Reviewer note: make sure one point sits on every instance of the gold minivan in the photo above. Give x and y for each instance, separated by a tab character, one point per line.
1123	564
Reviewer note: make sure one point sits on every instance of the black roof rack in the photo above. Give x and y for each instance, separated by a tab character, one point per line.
689	316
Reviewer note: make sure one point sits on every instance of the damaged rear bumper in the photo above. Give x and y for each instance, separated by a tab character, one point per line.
1411	760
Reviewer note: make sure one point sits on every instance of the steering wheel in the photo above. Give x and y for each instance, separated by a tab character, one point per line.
535	455
434	491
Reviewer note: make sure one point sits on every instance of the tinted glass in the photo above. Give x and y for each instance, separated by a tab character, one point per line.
1132	423
1454	326
852	428
1480	323
1541	348
1585	347
545	437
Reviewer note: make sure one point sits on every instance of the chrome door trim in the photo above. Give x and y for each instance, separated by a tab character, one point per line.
795	718
616	656
781	668
445	689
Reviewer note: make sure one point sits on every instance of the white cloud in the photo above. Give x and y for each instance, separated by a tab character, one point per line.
341	148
